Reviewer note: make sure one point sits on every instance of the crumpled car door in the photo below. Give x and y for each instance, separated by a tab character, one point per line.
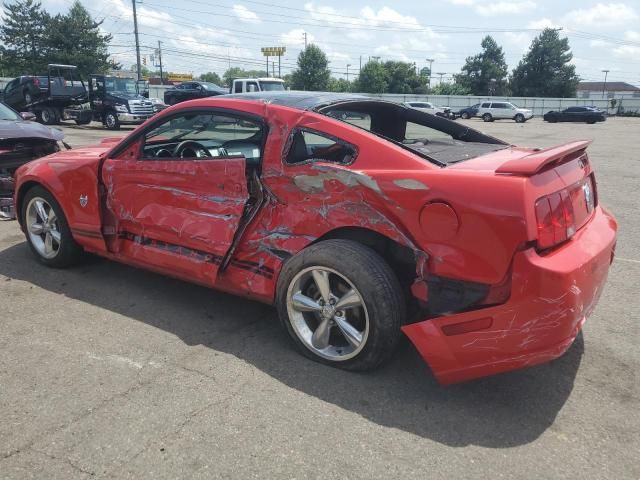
178	215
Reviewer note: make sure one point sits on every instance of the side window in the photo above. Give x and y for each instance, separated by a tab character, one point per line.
252	87
11	85
486	105
237	88
498	105
204	136
97	85
314	146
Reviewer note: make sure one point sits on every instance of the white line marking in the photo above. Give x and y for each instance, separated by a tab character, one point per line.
625	260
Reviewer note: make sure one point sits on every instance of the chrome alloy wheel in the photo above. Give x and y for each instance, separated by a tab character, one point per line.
42	227
327	313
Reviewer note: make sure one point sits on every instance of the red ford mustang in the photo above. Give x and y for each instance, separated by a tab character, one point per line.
359	219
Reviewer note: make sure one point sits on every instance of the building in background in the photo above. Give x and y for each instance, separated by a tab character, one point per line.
597	90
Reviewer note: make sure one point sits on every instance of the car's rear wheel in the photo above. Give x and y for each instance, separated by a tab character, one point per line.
465	115
48	116
487	117
47	230
341	304
519	118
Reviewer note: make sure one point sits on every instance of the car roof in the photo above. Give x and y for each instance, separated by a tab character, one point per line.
304	100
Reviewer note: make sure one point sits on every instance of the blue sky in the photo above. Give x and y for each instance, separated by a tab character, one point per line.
201	35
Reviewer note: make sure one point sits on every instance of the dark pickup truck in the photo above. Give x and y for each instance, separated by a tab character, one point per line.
192	90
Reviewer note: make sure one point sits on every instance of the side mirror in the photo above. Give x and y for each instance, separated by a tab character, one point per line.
28	116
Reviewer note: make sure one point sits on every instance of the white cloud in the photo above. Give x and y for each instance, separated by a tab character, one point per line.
542	24
295	37
505	8
245	15
489	8
602	16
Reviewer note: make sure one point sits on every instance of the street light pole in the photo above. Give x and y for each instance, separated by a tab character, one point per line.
441	75
604	85
348	65
430	60
135	30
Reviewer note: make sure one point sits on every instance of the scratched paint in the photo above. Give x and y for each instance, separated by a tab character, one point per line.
410	184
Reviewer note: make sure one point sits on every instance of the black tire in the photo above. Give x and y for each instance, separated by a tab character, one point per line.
379	290
519	118
69	253
591	122
465	115
48	116
487	117
111	121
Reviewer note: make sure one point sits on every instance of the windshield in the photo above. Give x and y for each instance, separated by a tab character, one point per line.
121	85
7	114
272	86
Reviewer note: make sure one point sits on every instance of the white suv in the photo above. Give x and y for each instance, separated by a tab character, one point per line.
490	111
428	107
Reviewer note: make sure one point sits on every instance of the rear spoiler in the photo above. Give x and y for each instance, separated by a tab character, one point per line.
536	162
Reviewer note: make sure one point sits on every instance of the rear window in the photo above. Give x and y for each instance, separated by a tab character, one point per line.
416	132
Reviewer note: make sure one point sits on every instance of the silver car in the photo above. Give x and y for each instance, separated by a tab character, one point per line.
490	111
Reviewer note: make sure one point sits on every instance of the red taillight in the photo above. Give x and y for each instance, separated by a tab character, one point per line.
555	219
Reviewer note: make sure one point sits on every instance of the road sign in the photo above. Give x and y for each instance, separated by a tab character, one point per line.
273	51
179	77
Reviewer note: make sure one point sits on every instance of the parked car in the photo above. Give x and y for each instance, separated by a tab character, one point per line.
490	111
576	114
250	85
25	89
429	108
192	90
21	141
487	257
468	112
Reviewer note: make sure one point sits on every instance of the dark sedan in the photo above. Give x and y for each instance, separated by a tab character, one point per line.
192	90
469	112
576	114
21	141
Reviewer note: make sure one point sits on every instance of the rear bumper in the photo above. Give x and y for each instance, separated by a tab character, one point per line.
551	297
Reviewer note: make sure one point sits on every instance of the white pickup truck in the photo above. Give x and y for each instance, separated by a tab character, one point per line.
250	85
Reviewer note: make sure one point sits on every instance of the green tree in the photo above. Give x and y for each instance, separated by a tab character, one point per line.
76	39
313	70
545	71
23	36
450	89
211	77
373	78
237	72
486	72
403	78
340	85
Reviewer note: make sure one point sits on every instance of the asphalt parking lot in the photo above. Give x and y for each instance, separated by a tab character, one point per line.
108	371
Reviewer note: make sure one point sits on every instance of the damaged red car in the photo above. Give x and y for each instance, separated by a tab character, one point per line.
359	219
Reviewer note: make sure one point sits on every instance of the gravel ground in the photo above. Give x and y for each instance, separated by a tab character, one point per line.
108	371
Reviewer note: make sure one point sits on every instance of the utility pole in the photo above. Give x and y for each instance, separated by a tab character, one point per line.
348	65
430	60
604	86
304	34
360	70
135	30
160	58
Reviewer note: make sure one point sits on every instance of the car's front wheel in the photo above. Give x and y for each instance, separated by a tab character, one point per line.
487	117
519	118
341	304
465	115
47	230
111	121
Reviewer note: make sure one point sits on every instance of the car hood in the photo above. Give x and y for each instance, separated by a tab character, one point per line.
24	129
